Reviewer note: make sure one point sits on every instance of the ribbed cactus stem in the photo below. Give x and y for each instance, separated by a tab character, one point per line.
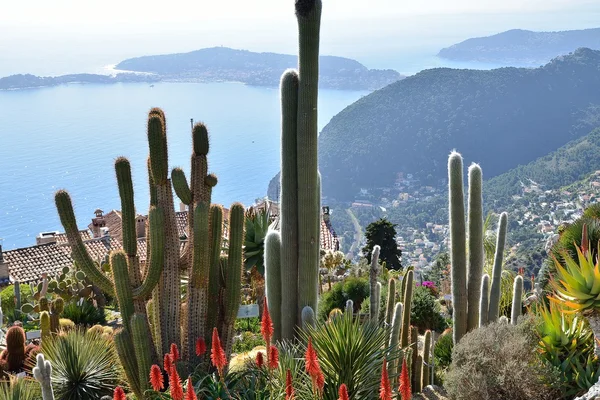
273	284
157	140
458	256
126	352
476	253
395	339
373	275
128	216
377	295
42	372
78	250
45	325
182	189
415	367
142	342
426	358
349	307
289	202
405	335
216	226
418	374
484	302
391	299
517	301
118	262
308	317
156	245
308	13
495	293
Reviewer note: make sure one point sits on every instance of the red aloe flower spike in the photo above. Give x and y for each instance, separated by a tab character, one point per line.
200	347
174	352
119	394
260	361
320	382
175	384
273	357
168	362
312	361
385	390
190	394
156	378
266	325
289	389
343	392
405	391
217	354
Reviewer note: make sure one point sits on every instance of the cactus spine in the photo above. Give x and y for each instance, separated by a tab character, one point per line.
42	373
484	302
494	309
391	299
405	335
517	301
373	274
426	358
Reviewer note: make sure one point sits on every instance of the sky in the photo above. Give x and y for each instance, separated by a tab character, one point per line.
66	36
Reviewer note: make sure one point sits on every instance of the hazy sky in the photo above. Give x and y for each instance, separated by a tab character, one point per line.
59	35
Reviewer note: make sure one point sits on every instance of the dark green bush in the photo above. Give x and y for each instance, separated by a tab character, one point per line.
85	314
425	312
7	296
353	288
499	361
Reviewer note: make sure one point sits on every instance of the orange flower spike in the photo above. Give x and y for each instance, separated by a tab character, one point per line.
266	325
273	357
168	362
200	347
119	394
190	394
175	384
217	354
260	361
385	390
174	352
343	392
312	361
405	391
289	388
156	378
320	382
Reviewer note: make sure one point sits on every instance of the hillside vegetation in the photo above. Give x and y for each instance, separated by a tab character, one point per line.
501	118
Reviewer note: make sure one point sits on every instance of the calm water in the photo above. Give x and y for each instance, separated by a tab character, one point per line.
68	137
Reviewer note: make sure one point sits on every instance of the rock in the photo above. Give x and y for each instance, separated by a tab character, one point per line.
592	394
431	392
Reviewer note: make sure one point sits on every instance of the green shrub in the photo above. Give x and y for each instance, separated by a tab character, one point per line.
425	312
442	351
247	342
84	314
353	288
499	361
7	296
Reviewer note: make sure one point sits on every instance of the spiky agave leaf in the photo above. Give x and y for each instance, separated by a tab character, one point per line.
20	389
257	225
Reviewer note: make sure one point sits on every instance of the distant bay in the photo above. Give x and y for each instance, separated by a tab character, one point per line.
68	137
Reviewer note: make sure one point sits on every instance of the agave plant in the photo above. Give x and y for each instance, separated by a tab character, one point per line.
257	224
567	343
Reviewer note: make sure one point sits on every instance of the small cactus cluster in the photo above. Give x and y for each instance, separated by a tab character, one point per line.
154	314
292	254
467	274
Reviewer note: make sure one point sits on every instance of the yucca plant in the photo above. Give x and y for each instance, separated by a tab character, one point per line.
567	343
85	366
352	353
20	389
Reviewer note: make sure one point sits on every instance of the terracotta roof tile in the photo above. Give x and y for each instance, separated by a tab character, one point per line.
29	263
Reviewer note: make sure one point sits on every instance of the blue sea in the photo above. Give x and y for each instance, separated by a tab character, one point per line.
69	136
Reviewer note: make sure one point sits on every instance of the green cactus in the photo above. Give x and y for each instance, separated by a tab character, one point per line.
349	307
484	302
517	301
42	373
273	278
373	275
308	317
415	366
395	339
45	324
407	304
494	309
391	300
17	291
418	388
426	358
475	246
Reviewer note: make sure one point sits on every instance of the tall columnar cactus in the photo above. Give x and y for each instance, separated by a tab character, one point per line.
17	291
517	300
426	358
494	309
45	325
273	284
405	335
418	388
373	275
300	180
395	338
391	300
466	283
214	284
484	302
42	372
415	366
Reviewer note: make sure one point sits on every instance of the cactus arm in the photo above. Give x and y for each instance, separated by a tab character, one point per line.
484	302
155	261
517	301
405	335
180	184
79	252
125	184
289	201
42	372
142	342
494	310
426	358
152	185
373	273
273	279
118	262
391	299
309	16
216	226
126	352
476	254
458	257
157	140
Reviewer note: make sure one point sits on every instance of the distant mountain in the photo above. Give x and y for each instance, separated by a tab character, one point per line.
520	47
262	69
27	81
501	118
